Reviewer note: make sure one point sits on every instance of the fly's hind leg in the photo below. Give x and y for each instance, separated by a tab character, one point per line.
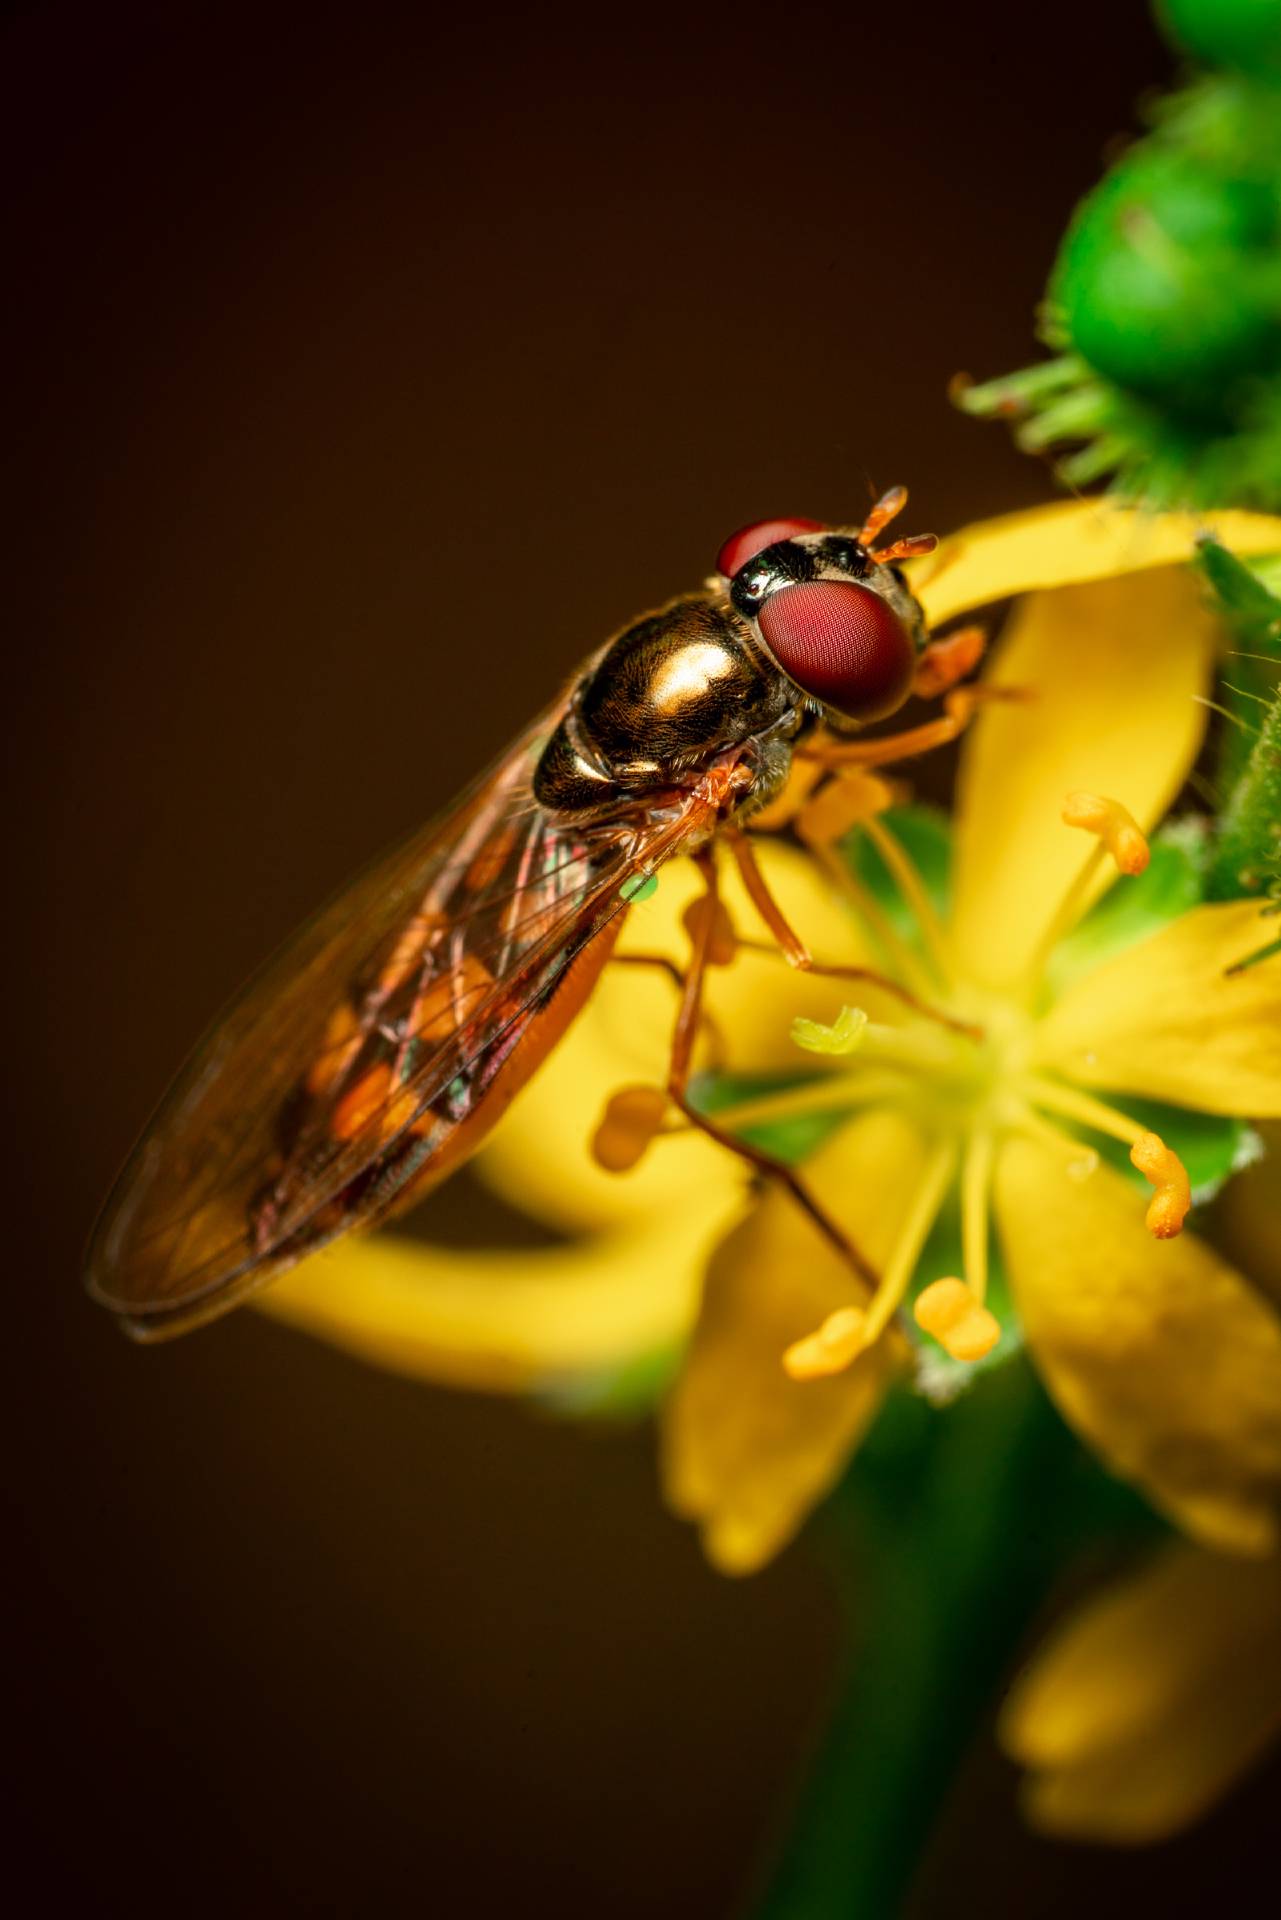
635	1114
664	964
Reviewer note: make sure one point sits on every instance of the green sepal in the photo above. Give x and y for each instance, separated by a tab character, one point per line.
1243	592
1247	856
1247	852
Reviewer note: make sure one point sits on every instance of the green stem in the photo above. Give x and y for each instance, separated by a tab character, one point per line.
950	1529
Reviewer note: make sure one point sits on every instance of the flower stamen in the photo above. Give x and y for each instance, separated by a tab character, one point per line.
633	1117
851	797
962	1325
870	911
832	1093
976	1182
952	1310
841	1338
719	943
1072	1104
1117	833
1081	1160
912	888
1171	1201
833	1347
1115	826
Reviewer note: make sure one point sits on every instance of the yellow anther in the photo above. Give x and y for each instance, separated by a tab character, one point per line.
959	1322
843	1036
849	798
837	1343
722	941
1115	826
1172	1201
631	1118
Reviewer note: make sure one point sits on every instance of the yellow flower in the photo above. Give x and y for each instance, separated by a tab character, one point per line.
1153	1697
1151	1700
1154	1348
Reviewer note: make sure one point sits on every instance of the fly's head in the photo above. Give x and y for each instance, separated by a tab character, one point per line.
830	609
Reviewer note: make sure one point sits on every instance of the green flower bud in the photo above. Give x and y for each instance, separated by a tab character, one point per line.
1169	283
1164	308
1242	34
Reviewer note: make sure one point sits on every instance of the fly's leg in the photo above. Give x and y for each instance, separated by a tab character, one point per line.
944	662
705	928
657	960
662	963
789	943
960	706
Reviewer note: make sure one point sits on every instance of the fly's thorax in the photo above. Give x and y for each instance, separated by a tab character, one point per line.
670	691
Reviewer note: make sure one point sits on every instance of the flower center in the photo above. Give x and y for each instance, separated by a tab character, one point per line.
967	1084
957	1058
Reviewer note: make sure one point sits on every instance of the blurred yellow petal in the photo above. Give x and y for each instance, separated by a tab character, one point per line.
1151	1700
1066	543
1160	1355
539	1157
507	1321
747	1450
1162	1019
1114	670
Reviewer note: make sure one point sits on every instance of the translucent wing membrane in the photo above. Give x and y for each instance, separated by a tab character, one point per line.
355	1063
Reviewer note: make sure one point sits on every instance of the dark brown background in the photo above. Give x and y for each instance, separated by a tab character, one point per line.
366	373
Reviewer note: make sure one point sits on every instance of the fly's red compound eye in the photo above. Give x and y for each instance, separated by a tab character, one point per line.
749	541
842	643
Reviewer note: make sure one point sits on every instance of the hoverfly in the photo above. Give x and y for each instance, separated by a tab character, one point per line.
381	1045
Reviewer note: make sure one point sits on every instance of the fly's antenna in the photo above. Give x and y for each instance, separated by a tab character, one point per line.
887	508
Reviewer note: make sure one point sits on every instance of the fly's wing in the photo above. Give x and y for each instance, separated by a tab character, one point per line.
331	1077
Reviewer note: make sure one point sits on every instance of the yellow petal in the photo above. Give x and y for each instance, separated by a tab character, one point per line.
1114	670
1163	1018
1160	1355
1065	543
507	1321
747	1450
539	1157
1152	1699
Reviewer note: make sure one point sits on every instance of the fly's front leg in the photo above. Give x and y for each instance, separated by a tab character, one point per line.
944	662
940	667
959	708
